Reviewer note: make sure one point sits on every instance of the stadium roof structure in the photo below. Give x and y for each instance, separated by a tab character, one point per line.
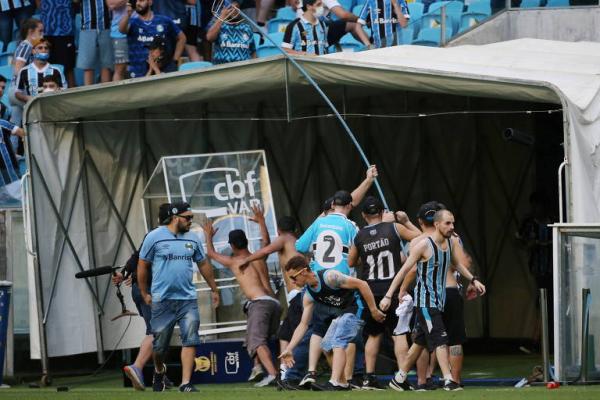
106	138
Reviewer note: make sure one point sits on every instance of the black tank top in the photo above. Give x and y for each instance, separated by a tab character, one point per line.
344	299
379	247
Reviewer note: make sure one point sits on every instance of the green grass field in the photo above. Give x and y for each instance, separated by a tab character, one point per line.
109	385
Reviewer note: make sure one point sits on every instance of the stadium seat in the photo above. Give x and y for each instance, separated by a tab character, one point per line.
194	65
430	37
357	9
530	3
6	71
405	36
12	46
470	19
480	7
1	46
557	3
415	10
286	13
77	28
454	11
267	48
277	24
59	67
434	21
348	43
5	58
346	4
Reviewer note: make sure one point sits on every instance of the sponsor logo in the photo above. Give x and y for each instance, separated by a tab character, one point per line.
232	362
173	257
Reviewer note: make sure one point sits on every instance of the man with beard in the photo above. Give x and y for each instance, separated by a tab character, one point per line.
433	257
171	250
142	29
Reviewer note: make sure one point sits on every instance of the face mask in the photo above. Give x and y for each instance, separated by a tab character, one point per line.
48	90
319	11
42	56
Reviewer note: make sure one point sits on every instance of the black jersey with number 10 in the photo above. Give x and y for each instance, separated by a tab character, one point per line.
379	247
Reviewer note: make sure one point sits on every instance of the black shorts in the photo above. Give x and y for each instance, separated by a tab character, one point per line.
454	317
429	328
62	51
292	319
374	328
192	35
335	31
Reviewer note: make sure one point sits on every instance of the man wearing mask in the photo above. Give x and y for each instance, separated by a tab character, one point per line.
30	78
142	29
308	34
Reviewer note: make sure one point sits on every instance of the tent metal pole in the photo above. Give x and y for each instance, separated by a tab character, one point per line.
545	345
561	169
91	247
323	96
37	270
288	98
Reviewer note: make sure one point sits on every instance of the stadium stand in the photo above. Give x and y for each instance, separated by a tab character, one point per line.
194	65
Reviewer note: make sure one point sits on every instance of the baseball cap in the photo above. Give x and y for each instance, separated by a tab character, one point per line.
164	212
428	210
180	207
372	206
342	198
237	238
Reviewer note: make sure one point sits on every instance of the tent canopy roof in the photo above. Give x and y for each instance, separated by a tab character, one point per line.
524	69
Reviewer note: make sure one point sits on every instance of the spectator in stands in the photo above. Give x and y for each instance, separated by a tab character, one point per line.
141	29
231	41
10	185
346	22
13	11
383	23
31	31
157	60
118	9
263	8
192	31
57	16
51	83
31	77
4	110
174	9
95	47
307	35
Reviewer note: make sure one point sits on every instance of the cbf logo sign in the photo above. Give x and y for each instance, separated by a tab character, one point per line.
235	190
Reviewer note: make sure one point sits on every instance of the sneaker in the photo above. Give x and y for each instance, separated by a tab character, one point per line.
308	379
266	381
256	373
158	382
285	385
452	386
135	375
424	387
400	386
168	383
188	387
370	383
329	387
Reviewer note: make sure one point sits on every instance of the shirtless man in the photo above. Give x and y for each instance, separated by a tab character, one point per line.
264	310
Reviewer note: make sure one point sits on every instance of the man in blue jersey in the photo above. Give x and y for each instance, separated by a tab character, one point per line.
338	293
4	110
142	29
95	46
13	11
232	41
57	16
433	256
384	18
192	30
172	251
307	34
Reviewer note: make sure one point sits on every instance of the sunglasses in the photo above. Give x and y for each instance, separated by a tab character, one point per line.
186	217
293	277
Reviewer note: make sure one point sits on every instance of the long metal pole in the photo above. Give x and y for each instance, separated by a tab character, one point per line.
321	93
585	313
545	346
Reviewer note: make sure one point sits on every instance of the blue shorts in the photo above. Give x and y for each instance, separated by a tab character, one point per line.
143	309
322	317
95	49
342	331
167	313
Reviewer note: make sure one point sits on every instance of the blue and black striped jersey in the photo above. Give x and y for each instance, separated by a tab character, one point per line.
301	35
94	15
430	290
7	5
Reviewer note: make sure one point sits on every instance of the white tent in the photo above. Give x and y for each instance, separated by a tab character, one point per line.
91	150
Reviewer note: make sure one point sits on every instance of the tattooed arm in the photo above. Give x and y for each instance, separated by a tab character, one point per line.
337	280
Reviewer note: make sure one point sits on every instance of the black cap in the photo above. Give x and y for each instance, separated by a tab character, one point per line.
428	210
237	238
164	213
180	207
342	198
372	206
